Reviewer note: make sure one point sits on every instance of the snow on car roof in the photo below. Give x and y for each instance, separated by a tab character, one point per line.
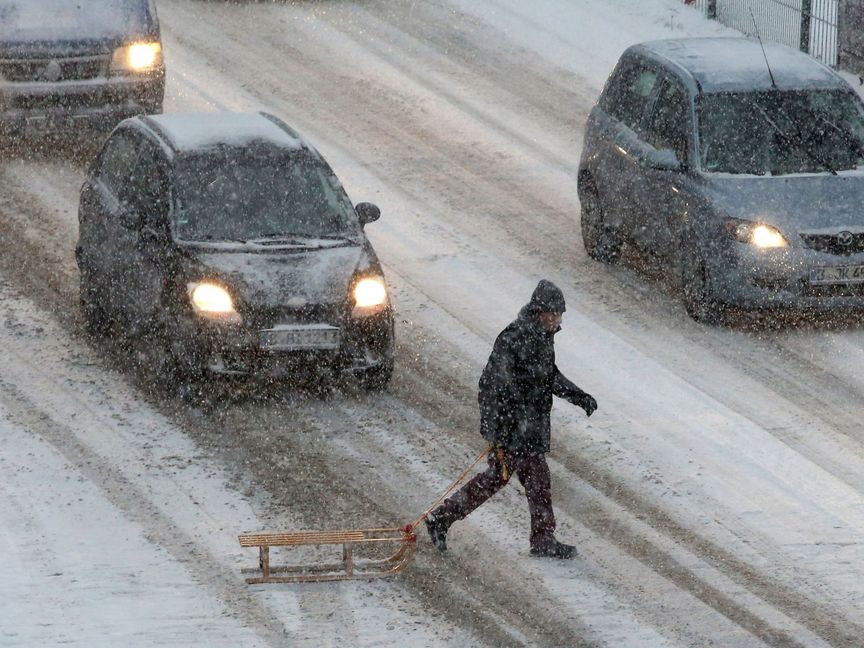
192	132
728	64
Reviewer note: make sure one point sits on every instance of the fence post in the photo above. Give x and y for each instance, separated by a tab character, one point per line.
711	9
806	10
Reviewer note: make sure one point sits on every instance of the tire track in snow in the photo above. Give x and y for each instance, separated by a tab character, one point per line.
609	525
136	506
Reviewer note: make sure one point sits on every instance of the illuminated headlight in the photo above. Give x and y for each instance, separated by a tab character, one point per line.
139	57
758	234
212	301
370	296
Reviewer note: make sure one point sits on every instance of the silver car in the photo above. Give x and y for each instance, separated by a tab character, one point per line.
738	169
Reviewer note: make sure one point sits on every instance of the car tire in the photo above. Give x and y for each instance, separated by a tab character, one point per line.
700	301
378	378
177	369
602	243
96	319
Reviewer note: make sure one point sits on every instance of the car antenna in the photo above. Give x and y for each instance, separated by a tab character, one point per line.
765	56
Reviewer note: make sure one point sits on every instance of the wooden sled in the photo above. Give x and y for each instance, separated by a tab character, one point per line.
403	540
350	568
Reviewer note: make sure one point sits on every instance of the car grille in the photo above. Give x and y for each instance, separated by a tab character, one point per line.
52	70
834	244
91	99
262	318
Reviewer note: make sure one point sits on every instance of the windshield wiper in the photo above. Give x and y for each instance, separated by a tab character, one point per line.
216	239
846	134
298	239
280	237
798	142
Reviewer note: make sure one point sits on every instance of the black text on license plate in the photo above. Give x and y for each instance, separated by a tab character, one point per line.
299	339
837	275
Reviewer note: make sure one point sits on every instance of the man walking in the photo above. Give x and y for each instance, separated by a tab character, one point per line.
516	389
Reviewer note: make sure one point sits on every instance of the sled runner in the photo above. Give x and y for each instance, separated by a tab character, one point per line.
351	567
402	542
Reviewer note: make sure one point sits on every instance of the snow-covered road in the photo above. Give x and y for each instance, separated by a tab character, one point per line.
716	495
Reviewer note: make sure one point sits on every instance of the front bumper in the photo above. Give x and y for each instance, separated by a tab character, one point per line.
235	350
780	278
44	107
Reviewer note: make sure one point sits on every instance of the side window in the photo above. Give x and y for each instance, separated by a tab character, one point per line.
148	186
117	161
669	125
629	96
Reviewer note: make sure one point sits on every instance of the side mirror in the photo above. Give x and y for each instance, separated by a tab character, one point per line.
367	212
665	160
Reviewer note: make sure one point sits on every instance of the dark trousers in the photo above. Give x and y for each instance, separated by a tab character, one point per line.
533	473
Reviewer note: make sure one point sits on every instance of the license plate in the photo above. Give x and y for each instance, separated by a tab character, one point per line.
311	337
837	275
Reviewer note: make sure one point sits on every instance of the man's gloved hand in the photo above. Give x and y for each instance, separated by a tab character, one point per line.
588	403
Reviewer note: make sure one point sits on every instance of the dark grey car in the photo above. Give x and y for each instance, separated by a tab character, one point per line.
64	65
227	241
745	180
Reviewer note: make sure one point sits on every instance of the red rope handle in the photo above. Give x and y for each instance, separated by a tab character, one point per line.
450	489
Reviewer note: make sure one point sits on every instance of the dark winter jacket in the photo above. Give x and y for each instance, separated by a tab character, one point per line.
518	382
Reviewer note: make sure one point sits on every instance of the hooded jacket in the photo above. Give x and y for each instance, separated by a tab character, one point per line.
520	378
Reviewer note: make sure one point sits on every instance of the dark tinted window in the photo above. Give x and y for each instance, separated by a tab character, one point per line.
781	132
630	92
243	195
148	187
669	124
117	161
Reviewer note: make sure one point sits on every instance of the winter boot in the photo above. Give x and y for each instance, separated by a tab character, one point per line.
549	547
437	529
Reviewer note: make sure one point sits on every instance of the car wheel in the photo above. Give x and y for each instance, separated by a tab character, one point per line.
602	243
699	299
378	378
174	366
97	321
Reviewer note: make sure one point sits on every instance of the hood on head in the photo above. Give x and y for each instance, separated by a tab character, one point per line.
546	298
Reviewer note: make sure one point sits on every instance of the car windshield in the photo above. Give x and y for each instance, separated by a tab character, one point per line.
233	195
37	20
781	132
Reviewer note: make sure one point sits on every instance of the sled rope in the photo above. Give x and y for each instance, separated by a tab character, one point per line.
435	504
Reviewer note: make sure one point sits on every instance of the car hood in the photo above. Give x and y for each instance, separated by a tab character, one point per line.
60	48
274	279
801	202
32	30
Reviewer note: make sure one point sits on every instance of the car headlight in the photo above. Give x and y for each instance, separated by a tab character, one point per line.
138	57
212	301
370	296
758	234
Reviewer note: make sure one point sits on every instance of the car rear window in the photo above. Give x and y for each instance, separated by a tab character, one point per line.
781	132
49	20
230	195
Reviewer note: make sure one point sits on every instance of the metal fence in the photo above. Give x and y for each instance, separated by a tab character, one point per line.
808	25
